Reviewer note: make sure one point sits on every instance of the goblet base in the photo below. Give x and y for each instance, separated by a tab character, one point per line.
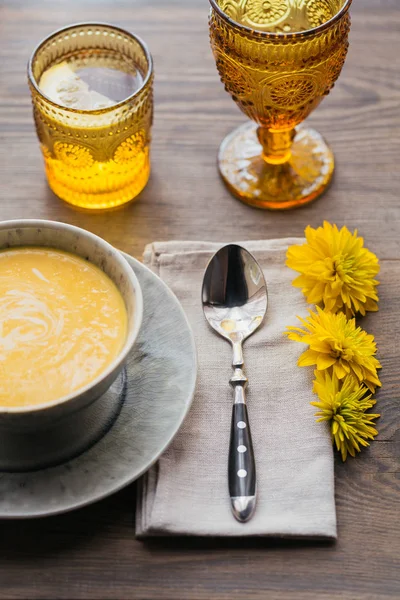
298	181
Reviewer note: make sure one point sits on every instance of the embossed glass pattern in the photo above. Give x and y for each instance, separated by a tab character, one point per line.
278	59
94	159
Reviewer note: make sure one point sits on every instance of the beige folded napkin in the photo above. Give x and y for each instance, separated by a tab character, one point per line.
186	493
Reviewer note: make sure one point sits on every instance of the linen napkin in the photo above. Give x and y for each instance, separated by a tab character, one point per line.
186	493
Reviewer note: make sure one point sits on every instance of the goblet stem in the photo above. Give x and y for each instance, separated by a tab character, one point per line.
276	144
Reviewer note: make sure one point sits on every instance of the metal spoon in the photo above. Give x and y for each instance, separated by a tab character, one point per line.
235	302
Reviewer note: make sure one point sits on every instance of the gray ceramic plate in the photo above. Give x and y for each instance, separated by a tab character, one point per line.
156	392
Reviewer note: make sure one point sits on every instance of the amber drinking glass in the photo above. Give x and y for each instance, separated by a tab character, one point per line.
97	158
278	59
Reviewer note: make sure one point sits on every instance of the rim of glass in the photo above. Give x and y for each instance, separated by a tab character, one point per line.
99	111
282	34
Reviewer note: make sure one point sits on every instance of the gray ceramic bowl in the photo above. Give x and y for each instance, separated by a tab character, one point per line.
33	437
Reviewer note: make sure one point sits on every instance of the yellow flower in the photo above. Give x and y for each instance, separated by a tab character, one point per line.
336	270
337	344
344	404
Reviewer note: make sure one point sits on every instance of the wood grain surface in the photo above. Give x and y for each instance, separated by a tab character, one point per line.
92	553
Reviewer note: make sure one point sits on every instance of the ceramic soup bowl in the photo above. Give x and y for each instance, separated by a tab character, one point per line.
41	435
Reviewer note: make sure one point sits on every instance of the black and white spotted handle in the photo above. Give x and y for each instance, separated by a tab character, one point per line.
241	465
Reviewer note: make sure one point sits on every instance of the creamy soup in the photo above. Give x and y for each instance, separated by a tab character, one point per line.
62	322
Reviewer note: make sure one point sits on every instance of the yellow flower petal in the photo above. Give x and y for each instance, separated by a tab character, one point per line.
324	361
339	371
308	358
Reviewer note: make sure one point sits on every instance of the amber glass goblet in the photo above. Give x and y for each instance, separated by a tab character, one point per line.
278	59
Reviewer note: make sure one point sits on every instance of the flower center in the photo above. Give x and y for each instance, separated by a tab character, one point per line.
339	352
348	354
343	266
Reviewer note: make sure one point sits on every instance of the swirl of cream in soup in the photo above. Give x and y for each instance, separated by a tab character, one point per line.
62	322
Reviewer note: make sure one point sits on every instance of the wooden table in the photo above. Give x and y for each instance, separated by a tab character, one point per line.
92	553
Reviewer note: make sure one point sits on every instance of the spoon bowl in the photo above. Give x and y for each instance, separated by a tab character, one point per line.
235	298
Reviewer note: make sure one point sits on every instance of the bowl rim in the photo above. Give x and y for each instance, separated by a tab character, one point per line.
277	35
100	111
132	332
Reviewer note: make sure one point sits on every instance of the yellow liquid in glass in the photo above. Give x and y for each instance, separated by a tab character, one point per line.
62	322
100	165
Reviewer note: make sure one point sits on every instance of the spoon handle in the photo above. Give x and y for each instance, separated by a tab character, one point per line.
241	466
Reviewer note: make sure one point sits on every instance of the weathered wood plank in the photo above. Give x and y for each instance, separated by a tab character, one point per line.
92	553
